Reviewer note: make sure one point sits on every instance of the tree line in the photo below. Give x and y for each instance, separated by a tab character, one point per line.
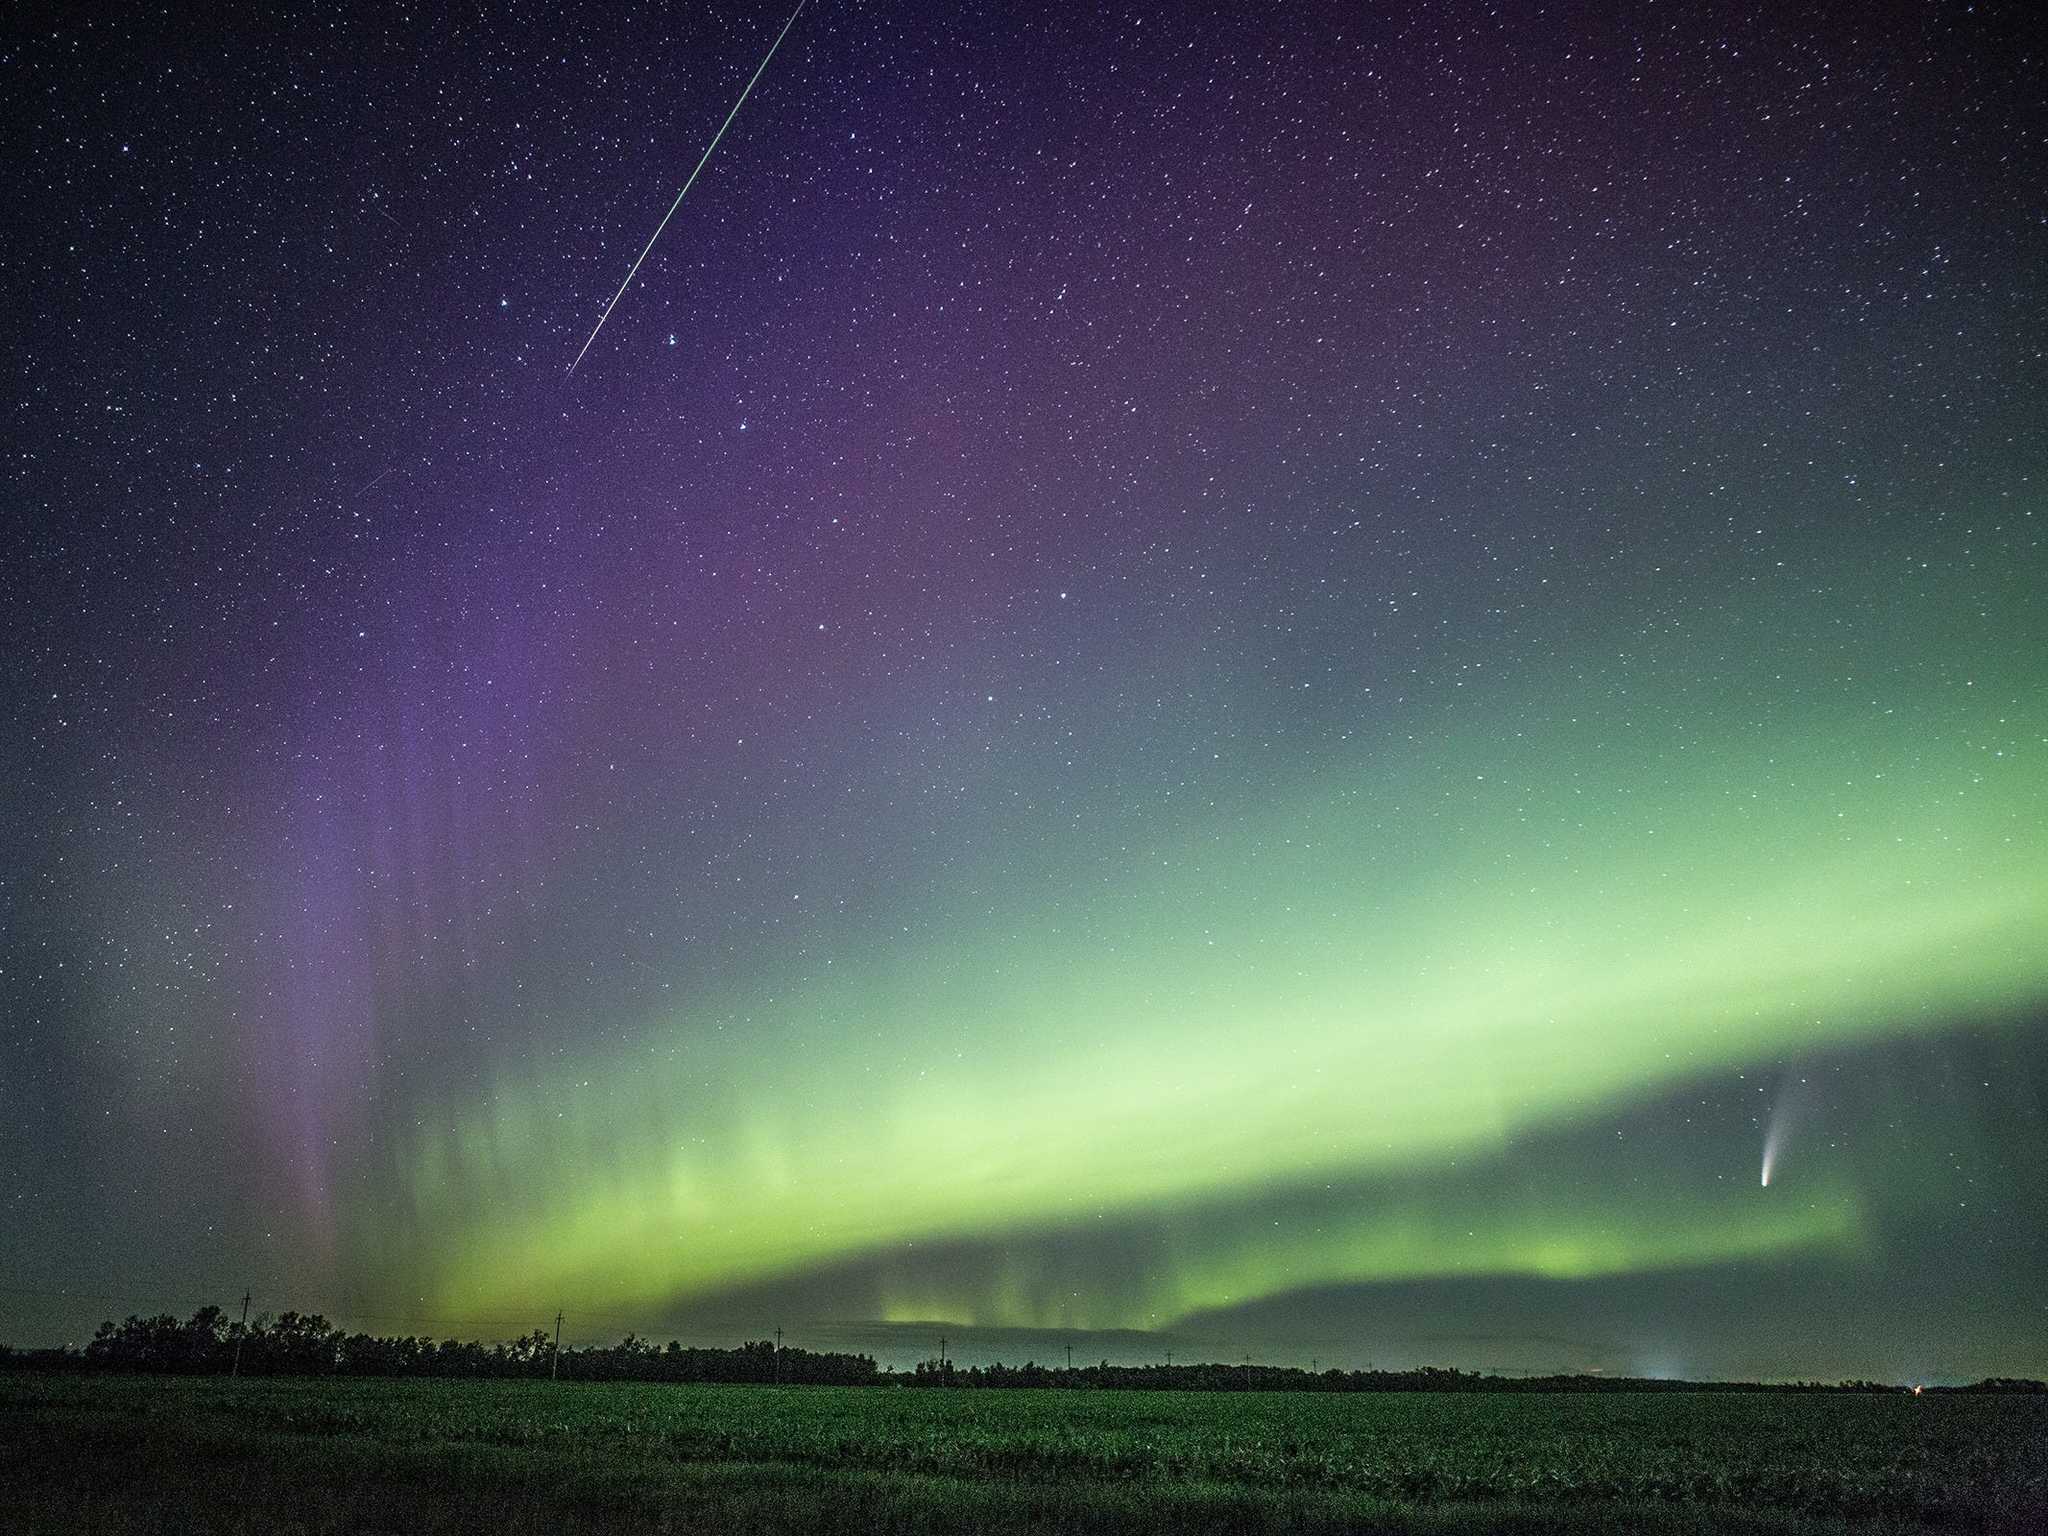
306	1344
1217	1377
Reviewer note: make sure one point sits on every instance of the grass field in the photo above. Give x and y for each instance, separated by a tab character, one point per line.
126	1454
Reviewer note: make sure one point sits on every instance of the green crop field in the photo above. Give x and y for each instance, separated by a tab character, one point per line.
121	1454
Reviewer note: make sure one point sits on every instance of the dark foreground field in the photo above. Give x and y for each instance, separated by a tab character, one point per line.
122	1454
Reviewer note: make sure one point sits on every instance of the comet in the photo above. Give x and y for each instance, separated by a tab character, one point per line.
1783	1113
702	160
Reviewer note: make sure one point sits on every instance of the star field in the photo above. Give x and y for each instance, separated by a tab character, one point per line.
1294	673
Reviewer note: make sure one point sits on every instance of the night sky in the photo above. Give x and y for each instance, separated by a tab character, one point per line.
1320	681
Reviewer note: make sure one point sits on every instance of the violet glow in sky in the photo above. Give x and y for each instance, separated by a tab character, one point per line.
1262	675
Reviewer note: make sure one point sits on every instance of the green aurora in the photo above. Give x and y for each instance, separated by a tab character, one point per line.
1528	916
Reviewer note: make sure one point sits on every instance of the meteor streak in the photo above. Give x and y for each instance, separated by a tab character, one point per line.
701	161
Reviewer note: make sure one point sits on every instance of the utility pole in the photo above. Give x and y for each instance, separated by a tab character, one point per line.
1070	1357
555	1365
1247	1373
1169	1359
778	1357
236	1370
942	1351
